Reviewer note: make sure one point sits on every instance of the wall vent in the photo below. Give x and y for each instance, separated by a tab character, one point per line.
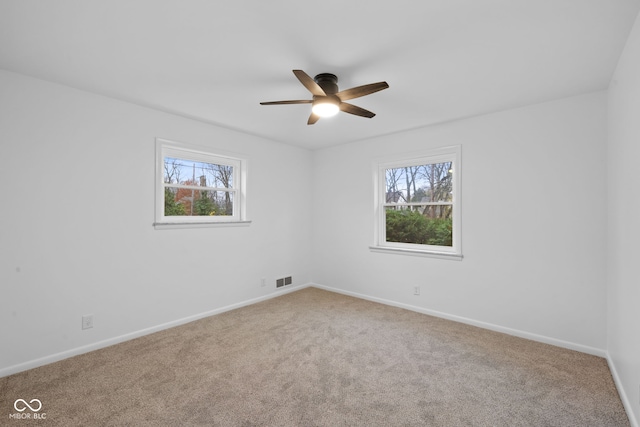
284	281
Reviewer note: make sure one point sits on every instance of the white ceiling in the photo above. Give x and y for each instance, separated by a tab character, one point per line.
216	60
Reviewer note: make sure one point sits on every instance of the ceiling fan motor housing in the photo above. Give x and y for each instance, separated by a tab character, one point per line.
328	82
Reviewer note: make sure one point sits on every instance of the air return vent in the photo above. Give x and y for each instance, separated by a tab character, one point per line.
284	281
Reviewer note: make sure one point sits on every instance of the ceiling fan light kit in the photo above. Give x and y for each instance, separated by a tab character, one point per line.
327	99
325	108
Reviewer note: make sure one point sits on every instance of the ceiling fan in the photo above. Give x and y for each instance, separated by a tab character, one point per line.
327	100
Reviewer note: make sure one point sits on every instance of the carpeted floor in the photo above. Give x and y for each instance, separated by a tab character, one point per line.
316	358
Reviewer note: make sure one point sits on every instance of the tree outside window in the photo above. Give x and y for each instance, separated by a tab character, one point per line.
194	186
418	203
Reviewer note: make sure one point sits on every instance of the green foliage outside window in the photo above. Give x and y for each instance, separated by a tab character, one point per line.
171	207
407	226
204	206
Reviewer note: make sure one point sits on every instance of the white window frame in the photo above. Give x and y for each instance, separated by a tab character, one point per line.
438	155
166	148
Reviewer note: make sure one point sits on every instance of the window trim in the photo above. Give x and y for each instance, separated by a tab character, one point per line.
167	148
437	155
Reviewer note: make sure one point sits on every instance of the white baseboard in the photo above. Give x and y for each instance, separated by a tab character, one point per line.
522	334
136	334
621	391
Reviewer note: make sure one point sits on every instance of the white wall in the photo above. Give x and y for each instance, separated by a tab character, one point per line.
623	256
76	233
533	215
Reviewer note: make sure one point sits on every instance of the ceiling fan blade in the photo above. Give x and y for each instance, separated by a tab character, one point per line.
313	118
356	92
300	101
352	109
309	83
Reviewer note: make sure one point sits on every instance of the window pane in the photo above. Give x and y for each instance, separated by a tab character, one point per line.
422	225
189	202
422	183
190	172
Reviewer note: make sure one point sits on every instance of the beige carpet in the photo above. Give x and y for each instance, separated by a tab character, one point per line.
316	358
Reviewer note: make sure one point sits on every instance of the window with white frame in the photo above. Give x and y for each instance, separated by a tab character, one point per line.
198	187
418	204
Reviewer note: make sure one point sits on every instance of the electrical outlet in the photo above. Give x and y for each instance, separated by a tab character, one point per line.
263	282
87	321
416	290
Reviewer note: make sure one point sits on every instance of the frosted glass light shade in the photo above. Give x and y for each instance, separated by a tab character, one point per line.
325	109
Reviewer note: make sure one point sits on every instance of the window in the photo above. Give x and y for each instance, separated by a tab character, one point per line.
196	187
418	204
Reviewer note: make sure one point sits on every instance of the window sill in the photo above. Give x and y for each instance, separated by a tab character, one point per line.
213	224
416	252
